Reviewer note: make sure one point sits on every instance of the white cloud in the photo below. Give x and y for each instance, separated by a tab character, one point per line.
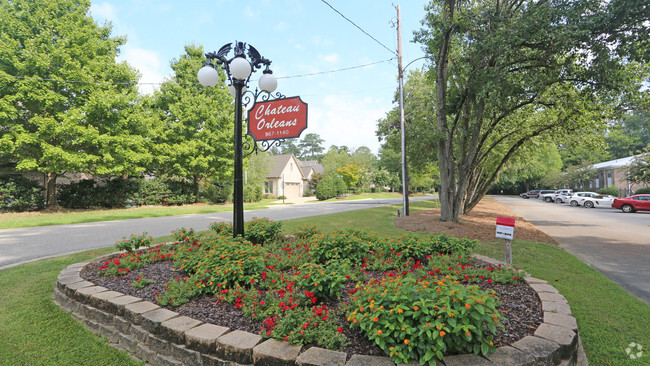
282	26
249	13
331	58
343	121
148	63
103	10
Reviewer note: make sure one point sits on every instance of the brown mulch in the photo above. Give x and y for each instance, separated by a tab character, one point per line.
480	223
521	307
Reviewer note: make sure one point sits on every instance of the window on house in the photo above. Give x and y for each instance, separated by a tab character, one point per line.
609	178
268	187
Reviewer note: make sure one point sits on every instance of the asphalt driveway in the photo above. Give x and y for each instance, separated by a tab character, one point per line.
614	243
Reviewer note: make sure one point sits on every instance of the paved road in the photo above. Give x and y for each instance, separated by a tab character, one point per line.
24	245
612	242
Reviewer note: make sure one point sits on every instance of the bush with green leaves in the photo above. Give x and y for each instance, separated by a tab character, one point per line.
220	261
442	243
217	191
19	194
177	292
252	193
324	281
645	190
337	245
134	242
82	194
329	187
257	230
306	231
612	190
424	317
262	230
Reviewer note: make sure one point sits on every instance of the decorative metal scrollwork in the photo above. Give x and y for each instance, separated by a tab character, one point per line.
249	98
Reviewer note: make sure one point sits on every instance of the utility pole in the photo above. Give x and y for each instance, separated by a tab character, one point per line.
405	187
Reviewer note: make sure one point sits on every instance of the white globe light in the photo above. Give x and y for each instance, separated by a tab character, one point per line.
240	68
268	83
232	90
208	76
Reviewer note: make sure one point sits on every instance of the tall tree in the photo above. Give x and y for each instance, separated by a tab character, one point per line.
311	146
290	146
196	138
65	104
509	71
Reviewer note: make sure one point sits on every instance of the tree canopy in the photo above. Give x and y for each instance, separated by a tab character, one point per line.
507	72
52	123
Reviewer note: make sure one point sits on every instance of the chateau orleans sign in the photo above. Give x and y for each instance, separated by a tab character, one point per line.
277	119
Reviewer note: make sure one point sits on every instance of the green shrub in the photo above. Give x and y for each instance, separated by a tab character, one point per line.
81	194
340	244
19	194
177	292
329	187
610	190
644	190
161	191
220	262
324	282
442	243
134	242
221	228
306	231
252	193
217	191
262	230
424	317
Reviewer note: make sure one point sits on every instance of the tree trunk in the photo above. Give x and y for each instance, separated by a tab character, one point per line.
448	206
50	191
196	188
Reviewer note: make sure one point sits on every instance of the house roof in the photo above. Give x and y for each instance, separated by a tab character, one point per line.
279	163
318	169
616	163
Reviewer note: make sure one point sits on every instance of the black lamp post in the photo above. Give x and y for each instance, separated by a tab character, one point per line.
238	70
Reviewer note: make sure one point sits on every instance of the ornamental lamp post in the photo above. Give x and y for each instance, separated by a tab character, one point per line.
238	70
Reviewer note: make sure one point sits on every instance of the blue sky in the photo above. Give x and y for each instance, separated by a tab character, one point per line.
299	37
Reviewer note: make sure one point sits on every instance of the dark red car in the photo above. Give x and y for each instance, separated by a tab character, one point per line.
639	202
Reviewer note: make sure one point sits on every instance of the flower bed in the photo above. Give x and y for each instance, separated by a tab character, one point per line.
298	287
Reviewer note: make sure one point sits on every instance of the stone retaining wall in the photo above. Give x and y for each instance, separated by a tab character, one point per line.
162	337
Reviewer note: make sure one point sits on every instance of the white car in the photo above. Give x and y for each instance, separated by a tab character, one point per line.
579	197
563	197
603	200
551	197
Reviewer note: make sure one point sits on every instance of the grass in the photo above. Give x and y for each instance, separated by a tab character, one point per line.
35	331
30	219
363	196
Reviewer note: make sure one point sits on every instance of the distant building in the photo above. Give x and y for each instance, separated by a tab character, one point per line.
614	173
289	176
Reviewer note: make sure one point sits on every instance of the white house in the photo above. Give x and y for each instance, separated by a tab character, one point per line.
285	178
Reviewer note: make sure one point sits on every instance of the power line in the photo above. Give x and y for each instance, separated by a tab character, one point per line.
353	23
160	83
337	70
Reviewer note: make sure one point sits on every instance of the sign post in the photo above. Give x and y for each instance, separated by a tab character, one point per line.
506	231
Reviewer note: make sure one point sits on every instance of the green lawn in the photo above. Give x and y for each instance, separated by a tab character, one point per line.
29	219
34	331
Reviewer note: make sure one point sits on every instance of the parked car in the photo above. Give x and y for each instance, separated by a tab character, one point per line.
578	196
563	197
545	192
638	202
601	200
530	194
550	197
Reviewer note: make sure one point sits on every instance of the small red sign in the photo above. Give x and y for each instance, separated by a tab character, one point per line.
506	221
277	119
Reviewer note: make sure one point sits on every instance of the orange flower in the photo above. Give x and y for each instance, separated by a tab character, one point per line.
467	306
416	308
376	319
379	331
442	333
399	311
406	341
